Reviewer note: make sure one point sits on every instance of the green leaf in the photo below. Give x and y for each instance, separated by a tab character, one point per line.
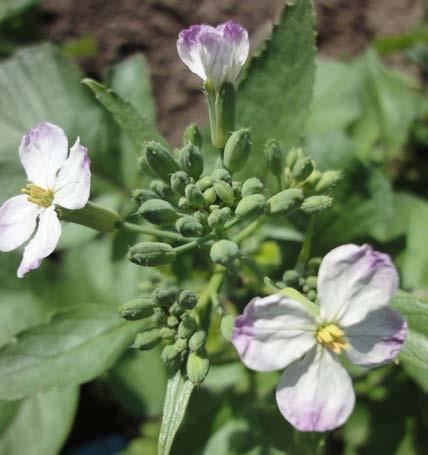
275	96
177	398
10	8
37	425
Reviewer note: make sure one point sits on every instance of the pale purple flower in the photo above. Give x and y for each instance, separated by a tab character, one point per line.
56	177
214	53
355	284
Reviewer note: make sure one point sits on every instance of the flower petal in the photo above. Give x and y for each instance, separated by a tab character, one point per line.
43	243
315	393
74	179
354	281
18	219
42	152
377	339
272	333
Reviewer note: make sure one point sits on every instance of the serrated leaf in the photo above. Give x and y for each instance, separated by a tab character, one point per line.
37	425
275	95
177	397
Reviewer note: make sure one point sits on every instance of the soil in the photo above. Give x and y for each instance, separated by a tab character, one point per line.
123	27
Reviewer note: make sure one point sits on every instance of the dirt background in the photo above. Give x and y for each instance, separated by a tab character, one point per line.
123	27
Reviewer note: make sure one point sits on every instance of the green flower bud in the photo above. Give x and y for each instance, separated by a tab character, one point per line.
161	189
311	282
302	169
150	254
186	328
184	204
221	174
226	326
159	160
224	252
137	309
237	150
187	299
172	321
189	226
327	180
237	189
205	182
158	211
250	206
314	265
180	345
166	333
194	195
163	297
160	316
176	309
201	217
147	340
179	181
143	195
217	218
252	186
169	355
315	204
192	135
224	192
291	278
292	156
191	161
284	201
210	196
197	341
274	157
314	178
302	281
197	368
312	295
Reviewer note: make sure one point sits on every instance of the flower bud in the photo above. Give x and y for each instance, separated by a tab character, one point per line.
205	182
201	217
184	204
224	252
191	161
217	218
187	299
237	189
172	321
302	169
137	309
315	204
189	226
197	368
169	354
224	192
226	327
237	150
160	316
291	278
292	156
314	178
311	282
192	136
163	297
197	341
143	195
166	333
194	195
221	174
252	186
179	181
274	157
186	328
160	188
250	206
314	265
312	295
147	340
176	309
210	196
157	211
159	160
327	180
150	254
180	345
284	201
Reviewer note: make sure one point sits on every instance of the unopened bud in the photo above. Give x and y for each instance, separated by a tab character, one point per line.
274	157
205	182
172	321
197	368
237	189
314	178
163	297
186	328
147	340
191	161
314	265
302	169
252	186
224	252
180	345
197	341
184	204
237	150
192	135
201	217
194	195
221	174
169	354
189	226
210	196
284	201
218	218
137	309
187	299
226	326
161	189
292	156
312	295
327	180
176	309
311	282
224	192
315	204
157	211
291	278
159	160
150	254
250	206
166	333
179	181
160	316
143	195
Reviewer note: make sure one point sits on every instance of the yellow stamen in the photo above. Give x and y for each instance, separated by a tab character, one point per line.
332	337
38	195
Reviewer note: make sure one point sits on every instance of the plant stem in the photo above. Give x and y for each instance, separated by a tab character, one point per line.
153	231
305	252
247	231
253	266
206	296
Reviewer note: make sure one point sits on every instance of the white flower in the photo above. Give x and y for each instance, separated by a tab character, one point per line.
56	177
215	54
315	392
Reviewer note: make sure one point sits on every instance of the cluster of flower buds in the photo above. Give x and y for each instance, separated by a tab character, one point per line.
304	279
177	328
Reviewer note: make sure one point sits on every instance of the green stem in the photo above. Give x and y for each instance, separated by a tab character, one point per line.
153	231
305	252
253	266
205	298
247	231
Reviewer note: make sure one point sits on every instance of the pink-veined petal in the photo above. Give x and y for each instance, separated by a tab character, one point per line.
315	393
354	281
376	339
43	243
18	219
42	151
272	333
73	183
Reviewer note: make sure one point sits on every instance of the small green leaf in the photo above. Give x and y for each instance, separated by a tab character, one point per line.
177	398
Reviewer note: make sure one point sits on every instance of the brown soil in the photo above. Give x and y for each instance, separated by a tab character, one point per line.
122	27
